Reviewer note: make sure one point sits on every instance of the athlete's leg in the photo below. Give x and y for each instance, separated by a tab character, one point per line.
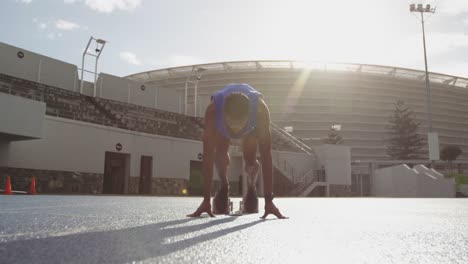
252	168
222	160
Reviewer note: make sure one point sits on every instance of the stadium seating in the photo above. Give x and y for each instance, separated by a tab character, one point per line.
71	105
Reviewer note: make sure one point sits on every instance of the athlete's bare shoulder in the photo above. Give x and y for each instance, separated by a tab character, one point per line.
209	118
210	110
263	113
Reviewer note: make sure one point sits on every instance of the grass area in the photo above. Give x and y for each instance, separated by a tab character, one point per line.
459	178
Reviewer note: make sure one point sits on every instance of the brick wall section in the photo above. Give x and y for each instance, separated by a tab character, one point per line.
160	186
164	186
133	184
48	181
68	182
150	120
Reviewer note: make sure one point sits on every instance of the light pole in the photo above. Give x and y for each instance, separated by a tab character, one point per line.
421	9
100	43
196	72
433	140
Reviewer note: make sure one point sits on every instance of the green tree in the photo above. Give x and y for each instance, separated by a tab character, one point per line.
450	153
404	142
334	137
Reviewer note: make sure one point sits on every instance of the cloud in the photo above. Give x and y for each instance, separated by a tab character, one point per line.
51	35
452	7
436	43
442	49
52	29
108	6
40	25
24	1
66	25
443	42
130	58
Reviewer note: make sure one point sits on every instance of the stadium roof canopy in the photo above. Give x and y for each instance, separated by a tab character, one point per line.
272	65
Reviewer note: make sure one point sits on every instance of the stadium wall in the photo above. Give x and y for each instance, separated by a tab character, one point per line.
125	90
68	155
38	68
4	152
74	146
336	160
358	97
31	66
25	121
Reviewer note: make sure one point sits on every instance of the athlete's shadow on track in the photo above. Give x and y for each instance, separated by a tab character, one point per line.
116	246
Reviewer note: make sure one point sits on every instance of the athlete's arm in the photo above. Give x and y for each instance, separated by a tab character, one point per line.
264	143
207	166
209	145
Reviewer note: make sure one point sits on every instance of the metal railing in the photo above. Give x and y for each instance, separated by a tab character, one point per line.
296	142
307	180
310	178
287	168
301	179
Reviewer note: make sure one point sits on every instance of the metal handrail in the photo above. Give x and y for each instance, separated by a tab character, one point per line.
308	178
301	145
299	178
284	166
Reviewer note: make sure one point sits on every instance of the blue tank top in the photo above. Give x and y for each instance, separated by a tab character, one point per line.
218	99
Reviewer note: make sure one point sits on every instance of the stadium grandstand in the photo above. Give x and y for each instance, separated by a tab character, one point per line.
311	98
140	134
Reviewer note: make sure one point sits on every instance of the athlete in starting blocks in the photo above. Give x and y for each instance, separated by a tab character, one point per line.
237	111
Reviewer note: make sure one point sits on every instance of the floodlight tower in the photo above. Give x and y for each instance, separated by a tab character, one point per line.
427	9
100	43
433	143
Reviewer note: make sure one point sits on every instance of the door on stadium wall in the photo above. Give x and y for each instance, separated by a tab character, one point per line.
114	173
196	178
146	169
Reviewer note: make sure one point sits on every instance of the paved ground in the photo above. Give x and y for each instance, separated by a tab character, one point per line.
118	229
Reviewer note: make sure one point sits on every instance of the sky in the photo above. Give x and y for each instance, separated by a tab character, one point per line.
145	35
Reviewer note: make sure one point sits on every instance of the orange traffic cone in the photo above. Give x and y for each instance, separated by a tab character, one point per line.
32	187
7	186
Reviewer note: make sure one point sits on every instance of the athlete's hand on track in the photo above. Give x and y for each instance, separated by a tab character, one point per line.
205	207
270	208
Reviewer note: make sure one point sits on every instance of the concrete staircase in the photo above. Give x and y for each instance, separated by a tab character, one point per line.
304	182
